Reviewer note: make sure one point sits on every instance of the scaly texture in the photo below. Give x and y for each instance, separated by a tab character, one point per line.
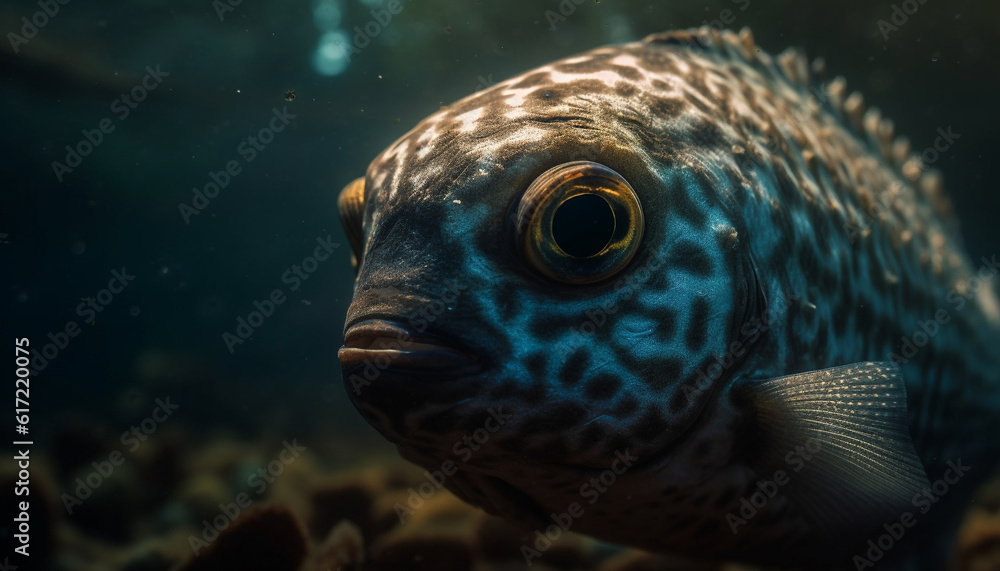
786	232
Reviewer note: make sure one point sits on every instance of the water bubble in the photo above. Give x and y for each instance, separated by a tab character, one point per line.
327	15
78	247
333	53
134	310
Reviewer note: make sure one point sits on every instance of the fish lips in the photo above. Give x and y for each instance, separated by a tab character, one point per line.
389	367
393	348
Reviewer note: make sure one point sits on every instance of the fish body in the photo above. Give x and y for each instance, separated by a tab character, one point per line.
685	267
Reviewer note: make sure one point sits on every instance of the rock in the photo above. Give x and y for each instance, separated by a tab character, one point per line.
343	550
268	537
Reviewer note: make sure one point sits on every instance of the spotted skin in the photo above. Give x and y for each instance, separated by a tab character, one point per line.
757	189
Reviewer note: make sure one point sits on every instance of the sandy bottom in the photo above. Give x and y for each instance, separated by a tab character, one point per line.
177	505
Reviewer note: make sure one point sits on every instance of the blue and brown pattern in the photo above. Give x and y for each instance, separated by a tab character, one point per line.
760	258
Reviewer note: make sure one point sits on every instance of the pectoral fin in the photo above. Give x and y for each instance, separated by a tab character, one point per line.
866	470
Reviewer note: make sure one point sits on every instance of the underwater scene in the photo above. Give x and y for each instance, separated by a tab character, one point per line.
369	285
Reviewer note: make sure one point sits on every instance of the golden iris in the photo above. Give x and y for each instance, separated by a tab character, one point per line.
579	223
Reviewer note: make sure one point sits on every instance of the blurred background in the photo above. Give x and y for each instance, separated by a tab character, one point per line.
213	74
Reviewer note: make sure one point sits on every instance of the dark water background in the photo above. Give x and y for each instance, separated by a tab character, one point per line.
163	335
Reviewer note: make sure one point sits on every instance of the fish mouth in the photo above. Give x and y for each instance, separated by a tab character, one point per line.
390	345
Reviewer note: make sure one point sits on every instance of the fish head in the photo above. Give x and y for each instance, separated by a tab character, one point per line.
548	280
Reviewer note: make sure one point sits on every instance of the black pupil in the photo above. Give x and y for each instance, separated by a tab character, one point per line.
583	225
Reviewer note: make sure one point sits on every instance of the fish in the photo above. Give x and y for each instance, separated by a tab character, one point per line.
681	295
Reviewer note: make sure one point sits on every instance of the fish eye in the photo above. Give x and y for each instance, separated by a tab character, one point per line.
579	223
351	206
